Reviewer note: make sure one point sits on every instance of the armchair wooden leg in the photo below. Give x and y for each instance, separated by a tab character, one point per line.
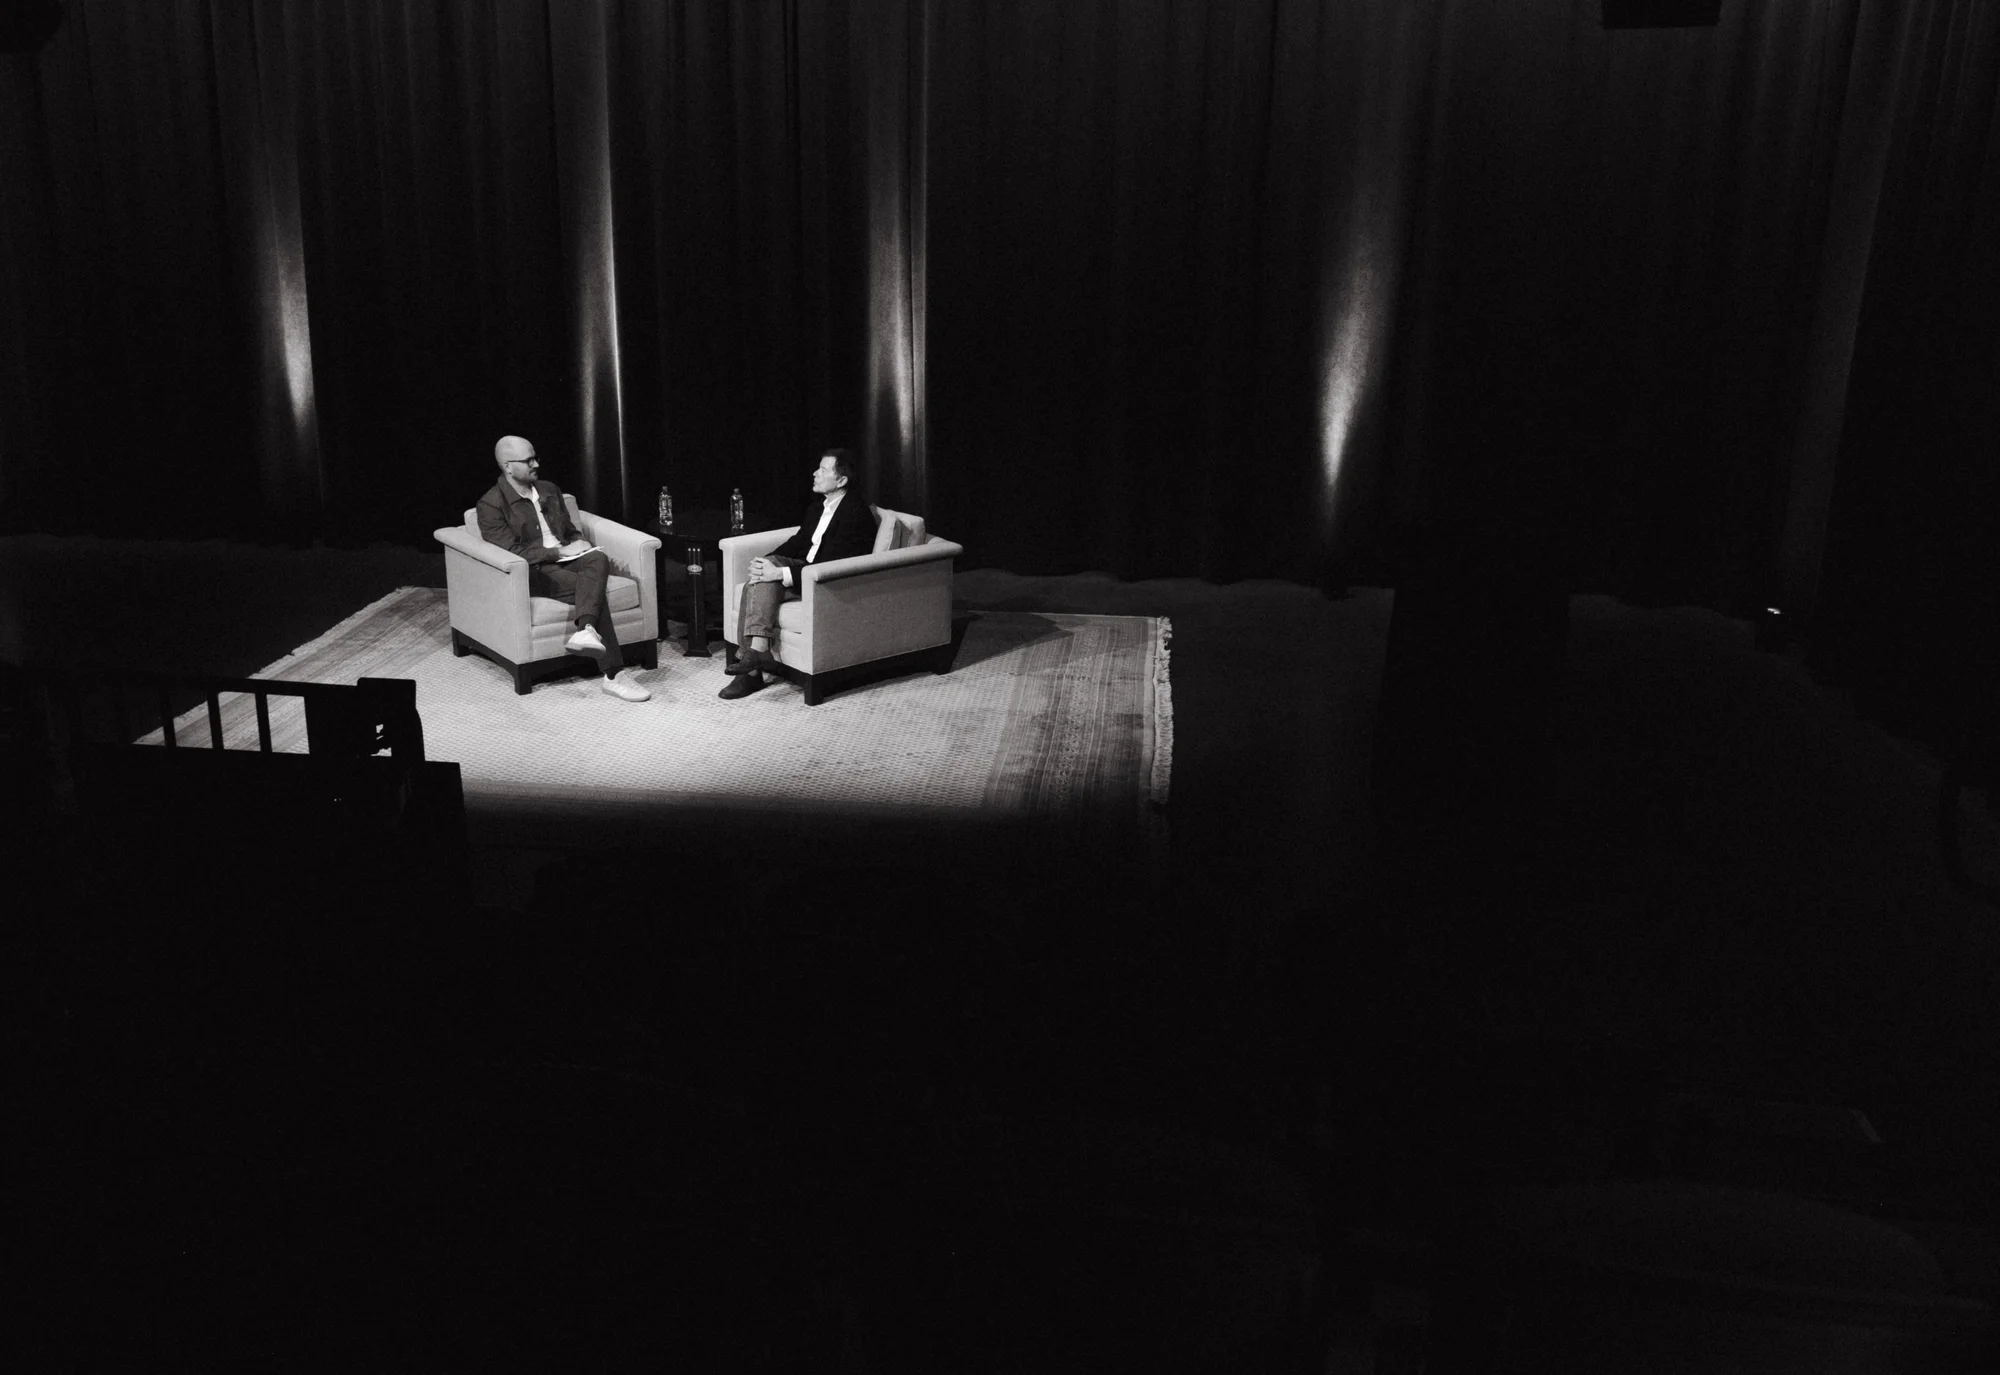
812	690
522	683
459	648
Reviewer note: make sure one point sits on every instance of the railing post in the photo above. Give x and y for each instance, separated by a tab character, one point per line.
393	703
333	725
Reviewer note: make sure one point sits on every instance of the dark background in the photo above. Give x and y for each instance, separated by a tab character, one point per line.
1327	290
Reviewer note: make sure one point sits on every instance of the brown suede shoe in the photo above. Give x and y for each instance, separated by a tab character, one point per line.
742	687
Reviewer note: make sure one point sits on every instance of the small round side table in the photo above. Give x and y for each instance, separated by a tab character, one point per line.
694	540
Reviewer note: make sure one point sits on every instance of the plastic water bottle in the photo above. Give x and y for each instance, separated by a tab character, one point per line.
736	511
666	507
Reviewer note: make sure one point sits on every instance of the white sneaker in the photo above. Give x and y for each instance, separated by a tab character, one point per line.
585	641
631	692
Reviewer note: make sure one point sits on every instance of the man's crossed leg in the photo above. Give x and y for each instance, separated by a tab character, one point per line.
583	581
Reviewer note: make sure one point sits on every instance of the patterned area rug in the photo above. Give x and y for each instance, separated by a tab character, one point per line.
1049	726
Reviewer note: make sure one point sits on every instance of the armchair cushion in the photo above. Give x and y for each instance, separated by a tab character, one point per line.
897	530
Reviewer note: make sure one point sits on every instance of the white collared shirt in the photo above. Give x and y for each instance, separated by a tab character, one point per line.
819	532
533	494
825	519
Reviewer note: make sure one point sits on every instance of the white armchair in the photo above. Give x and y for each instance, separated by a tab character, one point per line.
493	614
873	615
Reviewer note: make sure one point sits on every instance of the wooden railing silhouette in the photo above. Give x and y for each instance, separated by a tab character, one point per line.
80	738
369	717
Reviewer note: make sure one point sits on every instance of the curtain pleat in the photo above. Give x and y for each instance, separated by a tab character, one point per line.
580	53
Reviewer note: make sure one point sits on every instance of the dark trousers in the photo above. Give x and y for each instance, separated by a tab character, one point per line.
581	581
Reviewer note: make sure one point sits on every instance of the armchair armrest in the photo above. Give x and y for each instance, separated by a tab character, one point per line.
739	550
487	588
630	551
631	555
473	546
928	552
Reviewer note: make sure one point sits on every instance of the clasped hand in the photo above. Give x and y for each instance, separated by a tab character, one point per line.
763	570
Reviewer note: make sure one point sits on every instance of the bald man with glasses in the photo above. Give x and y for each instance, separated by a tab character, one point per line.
527	516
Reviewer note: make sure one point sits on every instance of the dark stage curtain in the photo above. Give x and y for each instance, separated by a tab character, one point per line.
128	344
284	270
289	270
1300	288
1910	597
1343	290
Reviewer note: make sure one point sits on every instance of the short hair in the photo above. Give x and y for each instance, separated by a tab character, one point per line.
843	465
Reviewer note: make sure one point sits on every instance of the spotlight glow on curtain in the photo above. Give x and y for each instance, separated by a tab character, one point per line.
895	349
1361	295
260	129
897	231
1357	309
600	373
282	274
583	111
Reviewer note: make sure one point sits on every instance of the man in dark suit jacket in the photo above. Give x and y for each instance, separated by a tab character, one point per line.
837	525
529	517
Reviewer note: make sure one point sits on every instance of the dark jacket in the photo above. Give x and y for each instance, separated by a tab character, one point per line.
507	518
850	532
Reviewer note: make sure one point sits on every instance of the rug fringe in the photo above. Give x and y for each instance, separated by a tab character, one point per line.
1163	735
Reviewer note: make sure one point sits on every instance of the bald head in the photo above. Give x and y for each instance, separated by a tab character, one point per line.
516	459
